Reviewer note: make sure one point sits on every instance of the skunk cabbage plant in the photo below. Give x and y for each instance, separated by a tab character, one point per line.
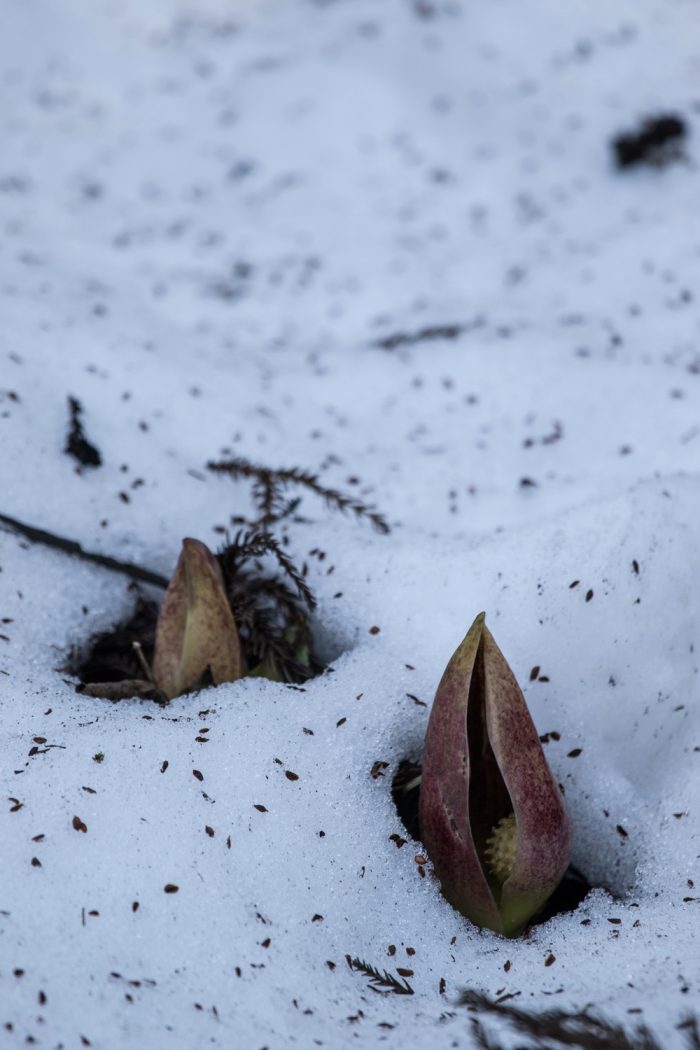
196	633
492	817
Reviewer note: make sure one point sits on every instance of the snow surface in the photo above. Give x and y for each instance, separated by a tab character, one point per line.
211	215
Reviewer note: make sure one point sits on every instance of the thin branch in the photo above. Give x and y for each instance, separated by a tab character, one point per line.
74	549
438	331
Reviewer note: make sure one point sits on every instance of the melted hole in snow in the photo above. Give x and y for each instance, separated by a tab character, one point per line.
120	656
405	791
110	656
329	642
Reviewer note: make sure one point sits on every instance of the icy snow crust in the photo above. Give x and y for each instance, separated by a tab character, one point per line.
210	216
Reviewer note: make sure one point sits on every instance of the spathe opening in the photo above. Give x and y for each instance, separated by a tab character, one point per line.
405	791
489	802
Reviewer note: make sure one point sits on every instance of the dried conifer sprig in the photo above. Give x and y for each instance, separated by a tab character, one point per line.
380	981
269	488
272	618
554	1029
252	545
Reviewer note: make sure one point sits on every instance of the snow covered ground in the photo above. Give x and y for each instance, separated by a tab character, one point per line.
217	218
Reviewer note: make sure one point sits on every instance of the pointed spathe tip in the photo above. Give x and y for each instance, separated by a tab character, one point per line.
196	631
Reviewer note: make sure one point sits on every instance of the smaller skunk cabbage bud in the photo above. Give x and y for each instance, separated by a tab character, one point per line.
196	631
492	817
